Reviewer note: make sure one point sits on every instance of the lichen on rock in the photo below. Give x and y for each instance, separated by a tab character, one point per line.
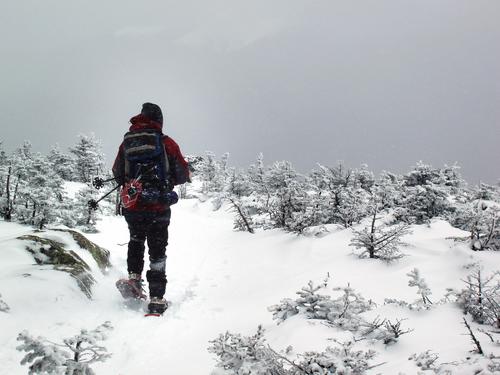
50	252
100	255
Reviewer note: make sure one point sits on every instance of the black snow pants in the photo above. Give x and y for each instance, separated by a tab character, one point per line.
154	229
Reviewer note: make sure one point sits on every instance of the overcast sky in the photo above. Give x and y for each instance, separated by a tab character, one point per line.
382	82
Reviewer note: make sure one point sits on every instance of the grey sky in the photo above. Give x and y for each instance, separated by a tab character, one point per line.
385	82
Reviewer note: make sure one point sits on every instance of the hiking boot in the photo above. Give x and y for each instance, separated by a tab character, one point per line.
131	287
157	305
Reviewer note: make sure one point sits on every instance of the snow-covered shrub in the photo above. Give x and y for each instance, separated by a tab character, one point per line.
63	164
425	193
249	355
340	194
73	357
246	355
382	330
423	290
212	172
482	220
379	241
473	364
339	360
3	305
421	203
243	220
309	303
425	360
287	195
342	311
481	297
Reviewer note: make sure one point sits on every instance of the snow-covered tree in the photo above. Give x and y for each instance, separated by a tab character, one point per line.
339	194
364	178
482	220
243	219
388	190
287	194
62	164
343	359
84	217
342	312
73	357
487	192
481	297
238	354
474	364
425	194
421	203
257	178
212	172
378	241
423	289
42	192
89	160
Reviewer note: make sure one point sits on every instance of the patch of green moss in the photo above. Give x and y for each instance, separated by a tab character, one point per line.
54	253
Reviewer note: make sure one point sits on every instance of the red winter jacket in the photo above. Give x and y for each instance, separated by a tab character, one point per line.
179	171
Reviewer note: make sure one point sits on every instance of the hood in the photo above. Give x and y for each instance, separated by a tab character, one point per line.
142	122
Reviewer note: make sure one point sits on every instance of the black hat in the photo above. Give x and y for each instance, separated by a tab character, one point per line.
152	112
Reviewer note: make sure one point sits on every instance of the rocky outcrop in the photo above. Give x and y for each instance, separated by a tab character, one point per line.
100	255
50	252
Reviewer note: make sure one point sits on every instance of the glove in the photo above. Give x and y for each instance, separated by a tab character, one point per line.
172	198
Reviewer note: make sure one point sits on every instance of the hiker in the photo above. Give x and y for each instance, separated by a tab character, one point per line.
148	166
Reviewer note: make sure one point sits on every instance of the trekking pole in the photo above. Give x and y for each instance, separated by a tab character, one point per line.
98	182
93	204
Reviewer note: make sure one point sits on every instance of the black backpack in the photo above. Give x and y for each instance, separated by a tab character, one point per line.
146	161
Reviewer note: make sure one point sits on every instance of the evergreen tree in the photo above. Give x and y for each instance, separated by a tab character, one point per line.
257	178
423	289
73	357
482	220
379	241
89	161
287	195
213	173
481	297
62	164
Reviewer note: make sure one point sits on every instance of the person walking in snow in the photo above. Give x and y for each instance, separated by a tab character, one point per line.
148	166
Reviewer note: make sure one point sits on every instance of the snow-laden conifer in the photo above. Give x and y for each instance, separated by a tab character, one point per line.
342	359
63	164
238	354
379	241
481	297
482	220
72	357
89	160
423	289
342	312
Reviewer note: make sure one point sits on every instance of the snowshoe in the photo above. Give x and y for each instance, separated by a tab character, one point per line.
156	306
131	288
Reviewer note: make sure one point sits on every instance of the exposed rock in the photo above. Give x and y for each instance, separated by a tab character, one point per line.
46	251
100	254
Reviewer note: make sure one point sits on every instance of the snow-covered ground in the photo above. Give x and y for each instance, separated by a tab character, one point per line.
224	280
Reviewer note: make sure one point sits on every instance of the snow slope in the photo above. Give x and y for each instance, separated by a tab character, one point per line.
224	280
